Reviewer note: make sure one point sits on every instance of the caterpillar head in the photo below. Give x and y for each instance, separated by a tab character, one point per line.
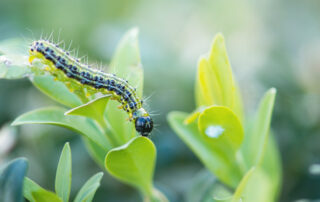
144	125
143	122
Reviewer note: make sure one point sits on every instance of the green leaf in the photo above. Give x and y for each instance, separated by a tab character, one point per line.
14	66
11	180
55	116
215	84
242	185
133	163
255	143
34	193
221	128
217	154
64	173
259	147
94	109
126	64
56	90
88	190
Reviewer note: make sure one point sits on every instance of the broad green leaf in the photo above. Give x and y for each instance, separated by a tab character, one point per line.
94	109
11	180
237	197
55	116
88	190
133	163
214	158
56	90
126	64
215	84
34	193
14	66
254	145
221	128
64	174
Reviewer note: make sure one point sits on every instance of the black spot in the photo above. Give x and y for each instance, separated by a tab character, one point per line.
95	78
69	74
132	104
47	49
83	81
74	68
59	66
100	79
31	49
38	49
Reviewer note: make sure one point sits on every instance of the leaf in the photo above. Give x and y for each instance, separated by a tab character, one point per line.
64	174
56	90
88	190
14	66
255	143
242	185
259	148
55	116
221	128
126	64
133	163
34	193
94	109
210	151
215	84
11	180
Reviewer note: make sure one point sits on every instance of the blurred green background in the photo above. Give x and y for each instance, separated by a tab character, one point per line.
271	43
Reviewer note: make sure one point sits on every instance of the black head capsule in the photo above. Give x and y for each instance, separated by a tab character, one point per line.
144	125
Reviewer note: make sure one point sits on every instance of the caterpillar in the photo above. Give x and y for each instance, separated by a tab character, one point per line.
63	66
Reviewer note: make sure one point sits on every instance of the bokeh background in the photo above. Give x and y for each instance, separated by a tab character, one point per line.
271	43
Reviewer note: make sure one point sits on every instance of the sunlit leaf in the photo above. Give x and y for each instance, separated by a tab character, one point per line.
133	163
88	190
63	175
55	116
215	84
211	151
11	180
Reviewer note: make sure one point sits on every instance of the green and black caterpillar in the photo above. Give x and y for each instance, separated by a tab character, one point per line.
60	63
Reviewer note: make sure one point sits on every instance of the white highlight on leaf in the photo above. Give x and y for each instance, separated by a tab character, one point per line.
214	131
